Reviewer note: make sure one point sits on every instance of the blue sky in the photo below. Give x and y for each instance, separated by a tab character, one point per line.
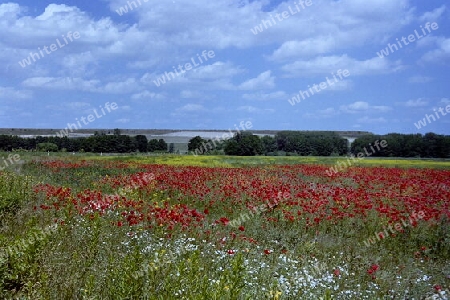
251	77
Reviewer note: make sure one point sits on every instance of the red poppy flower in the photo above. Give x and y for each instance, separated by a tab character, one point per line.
241	228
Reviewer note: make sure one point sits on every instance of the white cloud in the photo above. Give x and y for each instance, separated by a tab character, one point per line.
415	103
146	95
71	83
253	109
191	108
216	70
367	120
123	121
327	65
445	101
433	15
265	96
361	107
262	81
12	93
440	54
308	47
62	83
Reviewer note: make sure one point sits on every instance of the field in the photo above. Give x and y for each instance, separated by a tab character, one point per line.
218	227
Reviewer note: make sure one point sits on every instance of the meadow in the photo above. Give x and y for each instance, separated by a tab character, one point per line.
219	227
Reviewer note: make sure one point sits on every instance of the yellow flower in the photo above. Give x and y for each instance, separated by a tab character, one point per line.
275	294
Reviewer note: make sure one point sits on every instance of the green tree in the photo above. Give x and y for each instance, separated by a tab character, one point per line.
153	145
244	144
162	145
269	144
141	143
44	147
195	143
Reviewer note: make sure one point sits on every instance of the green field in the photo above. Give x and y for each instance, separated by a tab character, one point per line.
222	227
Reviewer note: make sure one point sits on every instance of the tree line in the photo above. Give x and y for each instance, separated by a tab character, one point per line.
430	145
326	143
283	143
244	143
98	143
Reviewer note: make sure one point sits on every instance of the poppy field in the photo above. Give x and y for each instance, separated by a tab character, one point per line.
130	228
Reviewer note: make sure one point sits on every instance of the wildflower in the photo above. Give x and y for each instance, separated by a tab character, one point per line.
372	270
337	272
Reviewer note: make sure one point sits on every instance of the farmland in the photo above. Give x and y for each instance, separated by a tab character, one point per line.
219	227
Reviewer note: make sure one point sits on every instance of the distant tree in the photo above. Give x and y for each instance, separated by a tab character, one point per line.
162	145
153	145
141	143
244	144
195	143
117	131
269	144
44	147
171	148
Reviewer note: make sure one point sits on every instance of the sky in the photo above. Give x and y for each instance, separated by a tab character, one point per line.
372	65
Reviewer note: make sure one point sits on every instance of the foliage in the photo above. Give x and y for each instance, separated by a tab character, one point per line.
244	144
429	145
45	147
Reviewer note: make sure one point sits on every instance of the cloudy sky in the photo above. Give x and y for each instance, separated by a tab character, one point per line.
61	60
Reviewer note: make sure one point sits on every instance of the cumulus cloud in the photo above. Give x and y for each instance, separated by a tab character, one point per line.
361	107
434	15
262	81
327	65
441	53
415	103
253	109
12	93
265	96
